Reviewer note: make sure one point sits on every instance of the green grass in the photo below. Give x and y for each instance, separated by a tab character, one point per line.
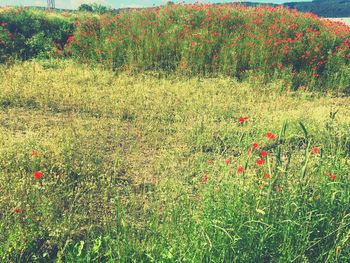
134	169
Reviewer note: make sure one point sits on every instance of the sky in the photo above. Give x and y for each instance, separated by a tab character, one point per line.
72	4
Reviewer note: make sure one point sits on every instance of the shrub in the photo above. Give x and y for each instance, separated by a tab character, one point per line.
28	33
85	8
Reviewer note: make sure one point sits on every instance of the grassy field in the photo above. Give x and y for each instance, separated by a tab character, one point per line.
141	168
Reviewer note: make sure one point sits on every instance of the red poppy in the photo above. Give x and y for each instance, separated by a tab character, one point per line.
270	136
260	162
18	210
263	153
333	177
242	119
240	169
315	150
205	179
35	154
228	161
255	145
38	175
70	39
267	176
70	52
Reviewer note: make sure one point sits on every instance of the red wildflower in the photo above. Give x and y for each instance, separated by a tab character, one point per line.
267	176
260	162
70	52
263	153
255	145
38	175
70	39
333	177
35	154
242	119
228	161
270	136
18	210
240	169
205	179
315	150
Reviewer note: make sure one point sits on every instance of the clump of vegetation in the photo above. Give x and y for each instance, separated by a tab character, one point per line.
95	8
207	40
26	33
229	40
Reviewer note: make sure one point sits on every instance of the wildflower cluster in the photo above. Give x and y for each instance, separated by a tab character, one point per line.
234	40
263	160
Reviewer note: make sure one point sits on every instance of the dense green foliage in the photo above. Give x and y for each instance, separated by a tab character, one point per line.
95	8
85	8
275	43
27	33
96	167
231	40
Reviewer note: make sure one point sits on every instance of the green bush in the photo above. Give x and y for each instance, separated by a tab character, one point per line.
30	33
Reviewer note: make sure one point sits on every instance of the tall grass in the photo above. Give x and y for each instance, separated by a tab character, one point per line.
231	40
148	169
206	40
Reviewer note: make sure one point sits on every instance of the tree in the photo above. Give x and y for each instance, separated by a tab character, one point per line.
85	8
101	9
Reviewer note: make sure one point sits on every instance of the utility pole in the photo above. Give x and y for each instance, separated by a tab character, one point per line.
50	4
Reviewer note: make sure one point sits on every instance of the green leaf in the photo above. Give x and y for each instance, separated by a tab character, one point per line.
80	248
304	129
260	211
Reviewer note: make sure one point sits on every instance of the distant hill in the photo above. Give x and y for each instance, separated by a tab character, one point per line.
255	3
326	8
